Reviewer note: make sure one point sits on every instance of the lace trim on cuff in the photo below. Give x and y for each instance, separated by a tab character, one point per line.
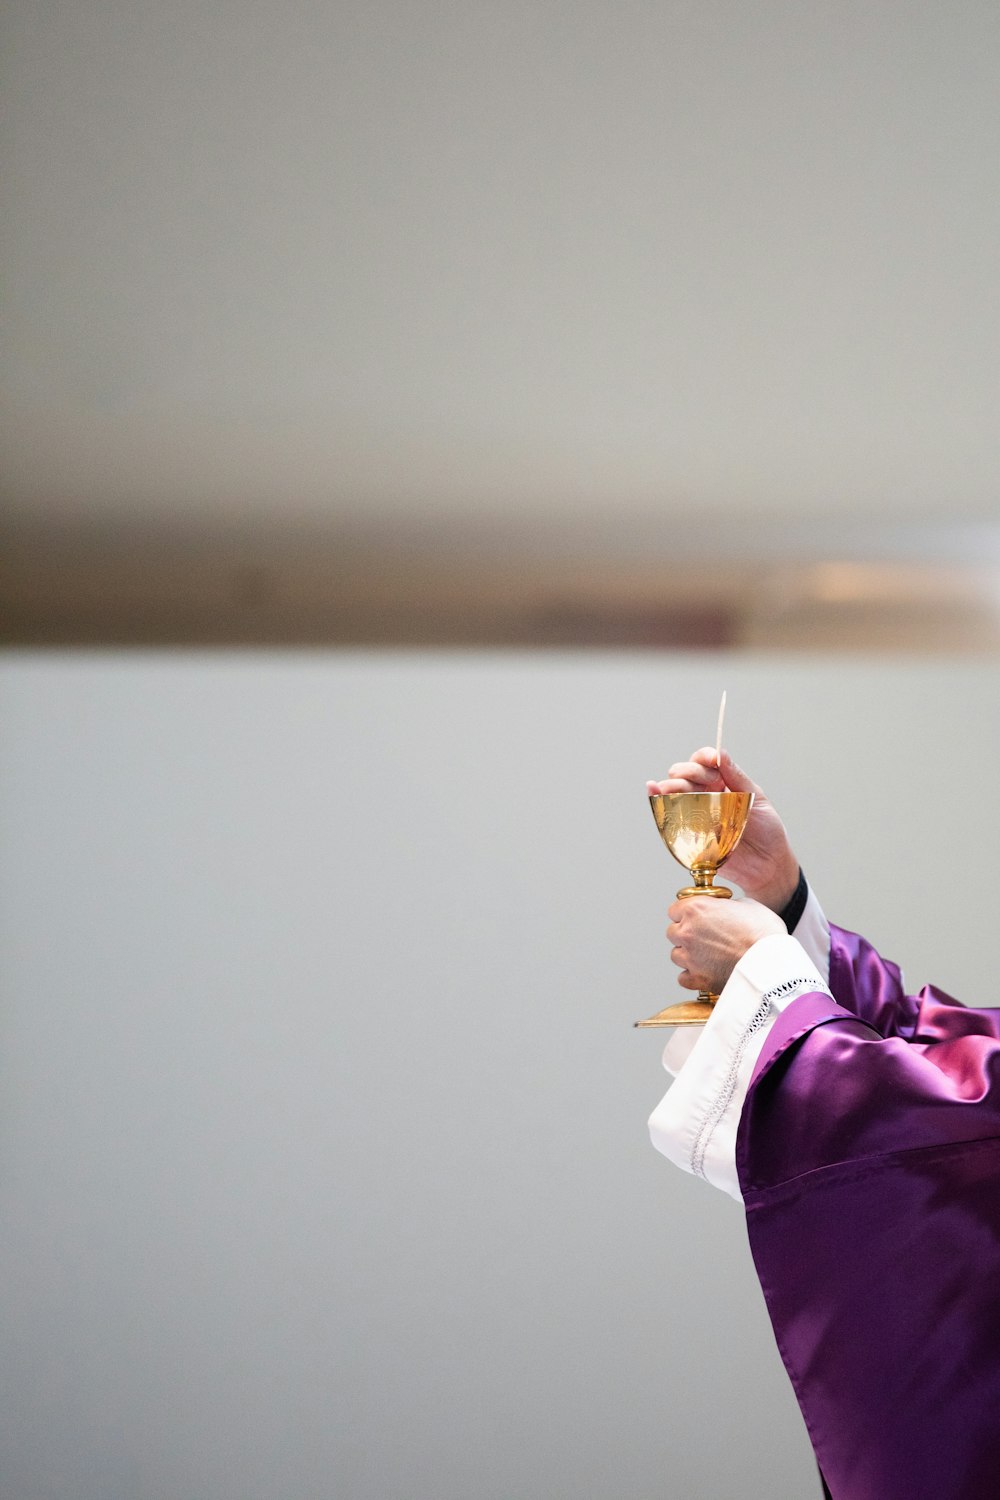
795	987
717	1108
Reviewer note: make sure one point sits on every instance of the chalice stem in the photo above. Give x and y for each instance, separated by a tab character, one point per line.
691	1012
704	887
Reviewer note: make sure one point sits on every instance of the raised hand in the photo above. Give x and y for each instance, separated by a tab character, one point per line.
763	862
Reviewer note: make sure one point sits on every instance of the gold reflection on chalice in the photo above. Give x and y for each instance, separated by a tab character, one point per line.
701	830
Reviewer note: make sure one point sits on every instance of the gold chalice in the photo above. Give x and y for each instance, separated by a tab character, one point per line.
701	830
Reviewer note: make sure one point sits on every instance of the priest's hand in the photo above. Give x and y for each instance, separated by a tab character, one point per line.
708	937
763	862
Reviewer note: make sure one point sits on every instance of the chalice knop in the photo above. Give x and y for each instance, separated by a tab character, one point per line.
701	830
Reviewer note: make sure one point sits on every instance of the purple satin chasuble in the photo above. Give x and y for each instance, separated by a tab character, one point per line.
869	1159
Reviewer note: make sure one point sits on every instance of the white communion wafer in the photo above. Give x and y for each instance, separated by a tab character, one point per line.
718	733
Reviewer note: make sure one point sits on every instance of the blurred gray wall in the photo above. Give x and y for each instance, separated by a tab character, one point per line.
323	1157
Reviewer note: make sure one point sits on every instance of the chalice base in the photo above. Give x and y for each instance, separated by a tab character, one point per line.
684	1013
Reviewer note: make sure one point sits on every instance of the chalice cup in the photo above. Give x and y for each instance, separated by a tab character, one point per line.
701	830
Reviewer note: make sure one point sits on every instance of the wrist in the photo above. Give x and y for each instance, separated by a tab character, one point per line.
780	890
791	913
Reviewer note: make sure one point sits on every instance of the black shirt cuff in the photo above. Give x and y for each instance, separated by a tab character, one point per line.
792	911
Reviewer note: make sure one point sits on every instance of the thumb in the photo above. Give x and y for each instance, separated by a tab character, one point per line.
735	779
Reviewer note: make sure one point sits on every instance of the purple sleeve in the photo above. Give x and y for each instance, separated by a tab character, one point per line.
871	987
828	1088
870	1172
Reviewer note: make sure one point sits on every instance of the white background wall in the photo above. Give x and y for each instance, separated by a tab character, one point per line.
323	1158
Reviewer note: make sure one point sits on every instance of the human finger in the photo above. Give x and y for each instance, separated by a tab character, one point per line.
735	779
686	776
696	769
705	757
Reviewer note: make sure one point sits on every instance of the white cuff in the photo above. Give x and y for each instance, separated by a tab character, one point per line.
695	1123
813	931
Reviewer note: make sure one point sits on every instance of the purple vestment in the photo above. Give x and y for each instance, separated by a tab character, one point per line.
869	1159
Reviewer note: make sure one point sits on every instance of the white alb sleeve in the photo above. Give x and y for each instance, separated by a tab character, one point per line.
813	931
695	1124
